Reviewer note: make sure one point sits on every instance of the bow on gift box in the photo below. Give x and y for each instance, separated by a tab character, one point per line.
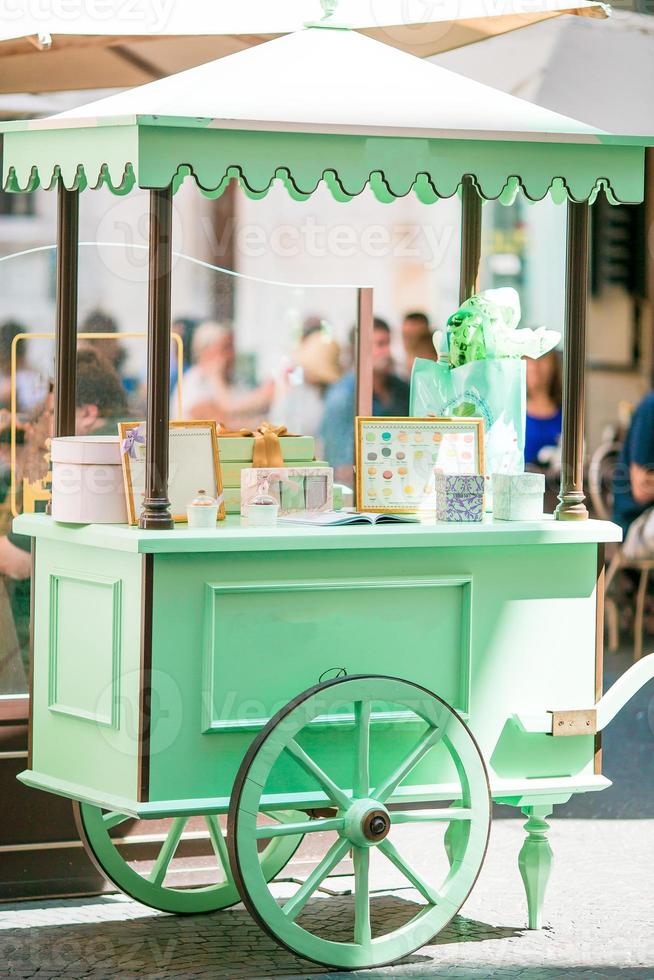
267	451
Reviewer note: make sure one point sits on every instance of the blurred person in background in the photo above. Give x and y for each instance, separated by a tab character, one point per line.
31	387
97	321
417	339
100	396
544	399
208	389
313	324
390	396
101	404
633	483
300	396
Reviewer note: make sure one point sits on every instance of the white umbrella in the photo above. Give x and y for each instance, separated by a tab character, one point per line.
141	40
574	66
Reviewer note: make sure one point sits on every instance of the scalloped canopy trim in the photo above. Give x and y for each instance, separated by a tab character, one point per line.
121	158
422	187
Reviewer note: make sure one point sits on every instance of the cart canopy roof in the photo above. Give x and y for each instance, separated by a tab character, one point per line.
330	105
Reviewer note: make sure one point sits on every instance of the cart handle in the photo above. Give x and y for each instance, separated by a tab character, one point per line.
590	721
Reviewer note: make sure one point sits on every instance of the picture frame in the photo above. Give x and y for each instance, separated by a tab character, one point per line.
304	489
194	464
396	458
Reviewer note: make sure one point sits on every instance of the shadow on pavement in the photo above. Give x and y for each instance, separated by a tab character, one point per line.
223	945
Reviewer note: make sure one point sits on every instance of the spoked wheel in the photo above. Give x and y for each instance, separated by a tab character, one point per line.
374	760
147	862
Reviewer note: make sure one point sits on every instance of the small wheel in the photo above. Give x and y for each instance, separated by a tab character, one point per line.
328	756
129	863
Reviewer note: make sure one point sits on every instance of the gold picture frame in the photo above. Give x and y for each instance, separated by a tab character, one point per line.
395	459
185	477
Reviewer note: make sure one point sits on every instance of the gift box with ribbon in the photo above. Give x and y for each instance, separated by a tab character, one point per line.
266	446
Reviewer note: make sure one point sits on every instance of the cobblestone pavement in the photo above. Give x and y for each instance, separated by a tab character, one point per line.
598	922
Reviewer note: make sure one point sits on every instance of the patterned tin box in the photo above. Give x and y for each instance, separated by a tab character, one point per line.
459	498
518	496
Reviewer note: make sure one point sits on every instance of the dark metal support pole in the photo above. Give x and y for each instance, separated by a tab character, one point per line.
571	494
156	506
66	311
470	238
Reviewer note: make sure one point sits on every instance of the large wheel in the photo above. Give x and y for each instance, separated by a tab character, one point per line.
363	819
146	863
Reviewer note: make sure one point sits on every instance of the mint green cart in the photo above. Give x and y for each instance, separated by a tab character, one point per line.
346	690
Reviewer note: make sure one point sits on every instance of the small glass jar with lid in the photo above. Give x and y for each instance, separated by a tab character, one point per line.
202	511
262	511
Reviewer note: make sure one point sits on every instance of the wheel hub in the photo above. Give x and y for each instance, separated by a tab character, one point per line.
367	823
376	826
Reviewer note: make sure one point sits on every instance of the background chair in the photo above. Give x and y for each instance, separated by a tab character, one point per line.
600	484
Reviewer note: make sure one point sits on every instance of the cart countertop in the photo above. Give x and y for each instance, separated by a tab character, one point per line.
232	536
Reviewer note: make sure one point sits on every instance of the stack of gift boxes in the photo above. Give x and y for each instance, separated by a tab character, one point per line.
236	454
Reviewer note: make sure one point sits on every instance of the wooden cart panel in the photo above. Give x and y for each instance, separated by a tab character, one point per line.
260	628
153	671
87	659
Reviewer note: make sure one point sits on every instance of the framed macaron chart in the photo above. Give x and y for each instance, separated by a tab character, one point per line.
396	459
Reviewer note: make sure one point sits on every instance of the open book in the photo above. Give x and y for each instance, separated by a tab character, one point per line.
334	518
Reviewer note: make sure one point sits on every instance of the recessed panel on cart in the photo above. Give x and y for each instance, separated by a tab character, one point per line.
86	668
84	678
265	642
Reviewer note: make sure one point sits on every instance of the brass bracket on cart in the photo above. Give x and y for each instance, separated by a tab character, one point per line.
589	721
582	722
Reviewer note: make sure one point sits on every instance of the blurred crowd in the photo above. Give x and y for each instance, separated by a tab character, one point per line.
313	390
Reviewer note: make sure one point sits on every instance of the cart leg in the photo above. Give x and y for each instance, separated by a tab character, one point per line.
535	860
